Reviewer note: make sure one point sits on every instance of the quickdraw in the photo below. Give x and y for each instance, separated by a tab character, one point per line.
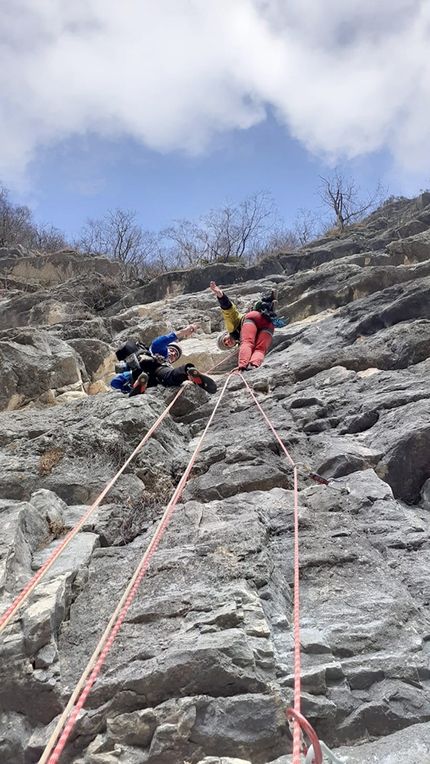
330	482
315	751
318	478
294	717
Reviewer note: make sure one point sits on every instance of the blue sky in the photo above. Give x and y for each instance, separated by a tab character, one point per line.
84	177
172	108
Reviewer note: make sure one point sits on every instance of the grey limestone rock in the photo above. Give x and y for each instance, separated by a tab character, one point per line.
202	668
33	365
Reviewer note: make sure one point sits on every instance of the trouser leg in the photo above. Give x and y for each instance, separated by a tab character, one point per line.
262	344
247	340
170	377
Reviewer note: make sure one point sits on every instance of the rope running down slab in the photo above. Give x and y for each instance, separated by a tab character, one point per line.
115	622
25	593
81	692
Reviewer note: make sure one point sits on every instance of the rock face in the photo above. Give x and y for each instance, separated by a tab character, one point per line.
51	269
202	668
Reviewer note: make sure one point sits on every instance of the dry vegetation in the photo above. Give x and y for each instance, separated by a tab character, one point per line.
48	460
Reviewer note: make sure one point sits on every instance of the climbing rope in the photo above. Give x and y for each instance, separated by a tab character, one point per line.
293	714
82	689
298	723
67	721
227	358
25	593
81	692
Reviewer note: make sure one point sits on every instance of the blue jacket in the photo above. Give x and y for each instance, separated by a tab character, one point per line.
123	382
159	346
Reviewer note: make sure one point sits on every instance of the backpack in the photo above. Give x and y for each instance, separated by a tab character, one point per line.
129	352
267	305
128	348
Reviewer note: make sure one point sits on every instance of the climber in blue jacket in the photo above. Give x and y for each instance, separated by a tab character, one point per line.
142	367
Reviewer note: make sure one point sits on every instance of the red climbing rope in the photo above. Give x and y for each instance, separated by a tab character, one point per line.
98	658
236	371
78	698
25	593
297	666
293	713
227	358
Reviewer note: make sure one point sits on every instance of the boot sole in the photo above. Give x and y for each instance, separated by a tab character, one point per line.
202	381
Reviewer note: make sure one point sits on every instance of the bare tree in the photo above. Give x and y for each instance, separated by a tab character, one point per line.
187	249
240	231
279	240
230	232
16	221
115	235
47	238
17	226
342	196
118	236
307	226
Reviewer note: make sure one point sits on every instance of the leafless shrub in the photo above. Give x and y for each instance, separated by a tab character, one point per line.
228	233
48	460
307	226
117	235
342	196
17	226
138	513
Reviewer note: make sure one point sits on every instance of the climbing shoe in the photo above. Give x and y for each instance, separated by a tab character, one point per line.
140	385
271	296
201	380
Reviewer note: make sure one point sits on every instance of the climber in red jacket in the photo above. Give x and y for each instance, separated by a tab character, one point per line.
254	330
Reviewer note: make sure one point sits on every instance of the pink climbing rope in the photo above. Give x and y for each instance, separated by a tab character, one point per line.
293	714
107	640
25	593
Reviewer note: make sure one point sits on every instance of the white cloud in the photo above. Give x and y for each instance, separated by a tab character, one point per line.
345	78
